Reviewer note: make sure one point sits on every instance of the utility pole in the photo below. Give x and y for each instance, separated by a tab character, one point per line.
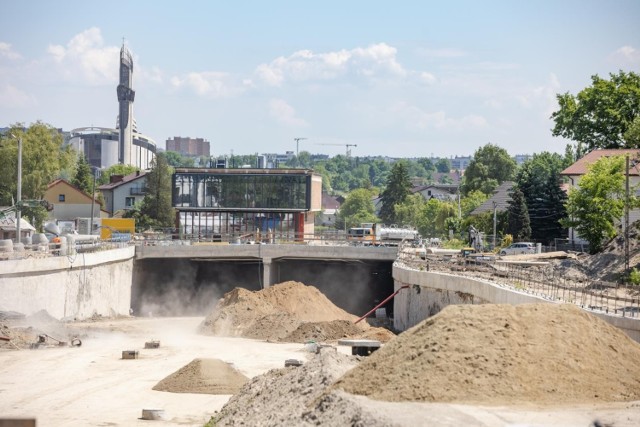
495	208
19	195
93	201
297	140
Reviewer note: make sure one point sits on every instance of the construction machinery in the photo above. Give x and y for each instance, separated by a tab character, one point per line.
344	145
368	234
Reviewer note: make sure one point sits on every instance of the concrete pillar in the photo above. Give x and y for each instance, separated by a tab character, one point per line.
269	275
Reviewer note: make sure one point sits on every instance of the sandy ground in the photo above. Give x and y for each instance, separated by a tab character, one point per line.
92	386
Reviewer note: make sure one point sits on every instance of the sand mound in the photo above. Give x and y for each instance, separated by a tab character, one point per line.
282	397
288	312
204	376
502	354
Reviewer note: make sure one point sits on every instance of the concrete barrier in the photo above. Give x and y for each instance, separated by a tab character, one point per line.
429	292
77	286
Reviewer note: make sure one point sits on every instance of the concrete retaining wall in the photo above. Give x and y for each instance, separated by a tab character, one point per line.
430	292
77	286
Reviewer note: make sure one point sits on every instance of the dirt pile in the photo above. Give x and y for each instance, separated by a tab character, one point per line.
502	354
286	312
204	376
285	397
24	331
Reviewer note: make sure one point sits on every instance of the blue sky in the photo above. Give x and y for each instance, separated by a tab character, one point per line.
403	79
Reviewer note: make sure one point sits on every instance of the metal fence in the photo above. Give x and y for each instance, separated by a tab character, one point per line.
537	278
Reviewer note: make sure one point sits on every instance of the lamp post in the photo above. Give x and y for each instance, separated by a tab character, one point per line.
495	206
93	200
19	189
628	164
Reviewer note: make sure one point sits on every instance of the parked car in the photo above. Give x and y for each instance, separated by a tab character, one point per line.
519	248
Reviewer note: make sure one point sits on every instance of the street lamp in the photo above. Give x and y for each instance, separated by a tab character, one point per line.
495	207
626	212
19	195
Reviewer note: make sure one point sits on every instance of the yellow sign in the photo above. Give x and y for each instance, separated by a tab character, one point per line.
118	228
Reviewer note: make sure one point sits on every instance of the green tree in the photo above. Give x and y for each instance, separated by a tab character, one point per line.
157	201
600	115
539	180
177	160
443	165
356	209
407	212
632	134
518	216
117	169
594	207
490	167
397	189
83	178
44	158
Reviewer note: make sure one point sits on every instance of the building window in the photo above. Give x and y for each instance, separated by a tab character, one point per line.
129	202
61	197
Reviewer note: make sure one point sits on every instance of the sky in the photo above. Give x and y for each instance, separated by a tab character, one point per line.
400	79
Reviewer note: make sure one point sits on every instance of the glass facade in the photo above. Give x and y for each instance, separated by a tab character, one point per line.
242	192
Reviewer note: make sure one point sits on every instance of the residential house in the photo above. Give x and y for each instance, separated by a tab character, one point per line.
499	200
330	209
70	203
444	192
575	172
8	226
123	192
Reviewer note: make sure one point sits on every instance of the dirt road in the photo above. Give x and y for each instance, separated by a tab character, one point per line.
92	386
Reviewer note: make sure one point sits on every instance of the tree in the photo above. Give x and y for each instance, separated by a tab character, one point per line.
117	169
490	167
539	180
600	115
407	212
443	165
177	160
157	202
83	178
44	158
356	209
518	222
594	207
397	189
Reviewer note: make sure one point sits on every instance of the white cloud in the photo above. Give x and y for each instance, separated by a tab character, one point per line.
11	96
304	65
626	55
427	78
7	51
86	58
212	84
284	113
415	117
541	96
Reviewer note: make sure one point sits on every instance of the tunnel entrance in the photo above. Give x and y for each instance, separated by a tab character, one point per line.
192	287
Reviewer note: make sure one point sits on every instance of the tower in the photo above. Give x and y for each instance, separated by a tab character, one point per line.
125	98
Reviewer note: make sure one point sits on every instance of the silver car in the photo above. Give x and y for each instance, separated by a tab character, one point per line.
519	248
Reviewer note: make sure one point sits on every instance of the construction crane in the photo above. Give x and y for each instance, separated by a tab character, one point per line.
297	140
345	145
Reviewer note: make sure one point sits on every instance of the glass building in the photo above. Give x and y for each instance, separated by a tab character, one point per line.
221	203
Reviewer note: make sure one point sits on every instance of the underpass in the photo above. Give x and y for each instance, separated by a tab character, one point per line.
179	280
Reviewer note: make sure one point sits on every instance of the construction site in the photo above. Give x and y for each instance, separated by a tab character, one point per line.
288	355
